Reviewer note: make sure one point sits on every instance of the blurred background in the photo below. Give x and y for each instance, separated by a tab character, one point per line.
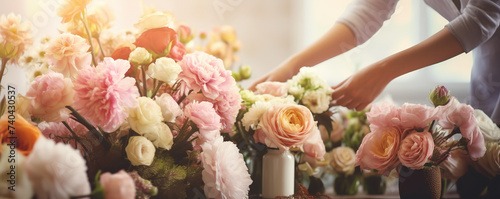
270	31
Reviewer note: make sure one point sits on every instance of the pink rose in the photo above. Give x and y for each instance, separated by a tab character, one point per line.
277	89
50	94
205	118
68	54
287	125
119	185
314	146
384	114
416	116
379	150
415	149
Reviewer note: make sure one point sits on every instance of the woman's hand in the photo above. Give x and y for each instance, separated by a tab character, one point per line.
279	74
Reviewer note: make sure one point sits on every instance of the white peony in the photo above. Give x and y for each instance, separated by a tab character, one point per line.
490	130
140	151
164	69
21	185
140	56
317	101
169	107
56	170
145	116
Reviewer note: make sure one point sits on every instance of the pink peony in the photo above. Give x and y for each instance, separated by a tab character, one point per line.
415	149
67	54
205	118
206	73
104	92
416	116
314	146
225	174
287	125
379	150
384	114
277	89
119	185
49	94
457	114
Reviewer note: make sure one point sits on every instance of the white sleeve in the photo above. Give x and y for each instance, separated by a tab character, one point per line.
365	17
477	23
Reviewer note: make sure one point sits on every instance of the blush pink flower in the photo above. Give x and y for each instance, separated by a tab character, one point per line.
103	93
415	149
206	73
416	116
287	125
224	171
379	150
15	37
205	118
277	89
169	107
68	54
456	165
227	105
314	146
118	186
49	95
384	114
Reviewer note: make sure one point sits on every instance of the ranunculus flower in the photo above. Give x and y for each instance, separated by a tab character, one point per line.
416	116
50	94
456	165
490	130
15	37
205	118
67	54
164	69
56	170
140	56
206	73
277	89
21	181
457	114
103	93
415	149
318	101
71	8
379	150
169	107
343	160
147	120
489	164
122	53
157	40
314	146
287	125
159	134
140	151
118	185
224	171
27	134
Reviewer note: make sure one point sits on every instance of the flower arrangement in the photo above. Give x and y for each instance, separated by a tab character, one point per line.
135	114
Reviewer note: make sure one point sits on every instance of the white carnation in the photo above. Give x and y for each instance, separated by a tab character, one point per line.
252	117
317	101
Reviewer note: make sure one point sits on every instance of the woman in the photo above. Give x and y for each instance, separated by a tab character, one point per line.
473	26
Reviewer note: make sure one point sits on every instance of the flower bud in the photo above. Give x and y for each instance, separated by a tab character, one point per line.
440	96
236	76
245	72
184	33
203	35
140	56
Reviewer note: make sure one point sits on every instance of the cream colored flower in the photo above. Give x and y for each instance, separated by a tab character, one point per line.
343	160
160	135
164	69
67	54
155	20
145	116
169	107
490	163
317	101
252	117
140	151
490	130
21	181
15	37
140	56
71	9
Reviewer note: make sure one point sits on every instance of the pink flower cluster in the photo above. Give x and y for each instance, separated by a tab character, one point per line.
103	93
399	135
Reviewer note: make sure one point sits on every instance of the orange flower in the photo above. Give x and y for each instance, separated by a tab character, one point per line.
26	134
157	40
71	8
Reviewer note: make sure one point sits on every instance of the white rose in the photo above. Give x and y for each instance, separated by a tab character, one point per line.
490	163
169	107
21	181
140	151
317	101
160	135
145	116
490	130
164	69
140	56
343	159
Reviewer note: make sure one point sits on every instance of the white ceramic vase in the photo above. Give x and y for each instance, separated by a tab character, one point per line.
278	173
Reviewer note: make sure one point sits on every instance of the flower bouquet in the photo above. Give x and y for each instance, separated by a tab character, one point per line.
416	137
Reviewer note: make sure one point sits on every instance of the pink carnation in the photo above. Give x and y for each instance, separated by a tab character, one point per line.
227	106
379	150
104	92
50	94
205	118
416	116
119	185
277	89
67	54
225	174
415	149
206	73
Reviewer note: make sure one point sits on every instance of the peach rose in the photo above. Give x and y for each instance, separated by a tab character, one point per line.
287	125
379	150
157	40
416	148
27	134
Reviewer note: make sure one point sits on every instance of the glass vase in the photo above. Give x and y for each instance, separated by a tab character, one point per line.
420	183
374	183
278	173
346	184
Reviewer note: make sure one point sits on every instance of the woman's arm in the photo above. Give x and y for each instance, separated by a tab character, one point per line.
364	86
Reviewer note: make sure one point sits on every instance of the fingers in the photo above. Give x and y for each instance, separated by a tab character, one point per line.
257	82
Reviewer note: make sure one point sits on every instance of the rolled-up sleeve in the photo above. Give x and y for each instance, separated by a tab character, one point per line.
477	23
365	17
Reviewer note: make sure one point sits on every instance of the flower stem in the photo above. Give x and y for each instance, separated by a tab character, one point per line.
100	45
80	119
157	88
138	87
4	65
89	36
144	83
76	137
